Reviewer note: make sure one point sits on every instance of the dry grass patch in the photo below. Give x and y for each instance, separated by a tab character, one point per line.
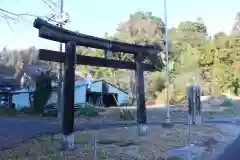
48	148
124	144
117	143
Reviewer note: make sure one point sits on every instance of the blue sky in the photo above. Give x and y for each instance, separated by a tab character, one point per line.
95	17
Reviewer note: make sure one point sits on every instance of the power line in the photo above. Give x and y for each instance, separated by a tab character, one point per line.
61	18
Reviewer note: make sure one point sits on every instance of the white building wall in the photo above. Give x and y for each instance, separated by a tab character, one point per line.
53	98
80	94
21	100
112	89
123	98
96	86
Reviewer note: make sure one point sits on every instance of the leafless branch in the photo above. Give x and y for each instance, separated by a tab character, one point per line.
9	25
16	15
8	17
50	5
3	15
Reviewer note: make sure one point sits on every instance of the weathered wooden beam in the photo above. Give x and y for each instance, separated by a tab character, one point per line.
55	33
48	55
110	63
55	56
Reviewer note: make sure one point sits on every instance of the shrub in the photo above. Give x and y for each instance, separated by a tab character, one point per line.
26	110
8	111
87	111
227	102
126	114
157	83
42	93
98	109
51	113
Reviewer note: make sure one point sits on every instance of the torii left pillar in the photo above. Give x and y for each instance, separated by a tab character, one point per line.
140	96
68	94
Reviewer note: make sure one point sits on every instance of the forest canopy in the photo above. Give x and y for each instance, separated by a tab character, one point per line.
214	62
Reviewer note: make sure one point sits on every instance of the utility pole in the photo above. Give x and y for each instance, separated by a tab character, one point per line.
60	72
61	18
168	116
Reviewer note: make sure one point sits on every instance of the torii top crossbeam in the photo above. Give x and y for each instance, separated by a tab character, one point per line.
55	33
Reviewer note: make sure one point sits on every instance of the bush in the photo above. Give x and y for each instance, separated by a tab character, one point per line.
26	110
8	111
87	111
98	109
42	93
51	113
227	102
126	114
157	83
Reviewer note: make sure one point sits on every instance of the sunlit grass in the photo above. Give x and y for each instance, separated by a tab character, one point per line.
49	148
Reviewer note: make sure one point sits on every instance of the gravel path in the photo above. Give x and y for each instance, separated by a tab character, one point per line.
14	131
231	152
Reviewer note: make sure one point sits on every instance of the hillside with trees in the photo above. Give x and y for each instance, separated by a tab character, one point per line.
214	62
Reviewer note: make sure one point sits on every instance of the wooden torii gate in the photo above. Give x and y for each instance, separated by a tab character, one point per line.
69	58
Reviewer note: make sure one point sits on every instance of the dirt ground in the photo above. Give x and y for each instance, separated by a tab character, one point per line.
119	144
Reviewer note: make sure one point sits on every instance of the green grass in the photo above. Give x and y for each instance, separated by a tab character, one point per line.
88	110
126	114
24	112
227	102
8	112
82	111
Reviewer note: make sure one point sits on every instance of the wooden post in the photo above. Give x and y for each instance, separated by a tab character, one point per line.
194	104
190	96
10	105
140	96
198	105
68	108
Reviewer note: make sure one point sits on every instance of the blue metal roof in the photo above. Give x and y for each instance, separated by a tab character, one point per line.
20	91
80	83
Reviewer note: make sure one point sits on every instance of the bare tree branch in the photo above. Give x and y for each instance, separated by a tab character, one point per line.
16	17
14	14
9	25
50	5
9	17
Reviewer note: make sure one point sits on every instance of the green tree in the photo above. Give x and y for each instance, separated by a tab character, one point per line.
42	92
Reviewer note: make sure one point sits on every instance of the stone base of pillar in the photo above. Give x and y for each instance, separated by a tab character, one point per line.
142	129
190	119
68	142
